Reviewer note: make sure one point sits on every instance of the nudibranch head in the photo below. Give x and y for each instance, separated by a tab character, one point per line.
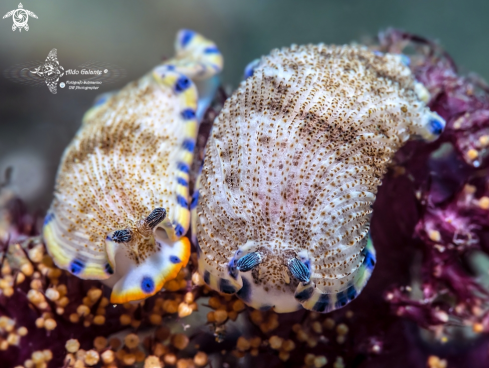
120	208
291	171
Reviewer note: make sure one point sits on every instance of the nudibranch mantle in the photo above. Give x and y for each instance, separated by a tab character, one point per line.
120	208
291	171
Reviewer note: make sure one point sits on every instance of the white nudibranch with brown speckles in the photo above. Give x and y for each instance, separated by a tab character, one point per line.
291	171
120	208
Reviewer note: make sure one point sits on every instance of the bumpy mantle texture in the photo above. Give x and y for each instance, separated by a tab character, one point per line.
424	305
291	171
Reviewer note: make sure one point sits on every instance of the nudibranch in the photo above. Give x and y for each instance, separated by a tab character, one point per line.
120	208
291	171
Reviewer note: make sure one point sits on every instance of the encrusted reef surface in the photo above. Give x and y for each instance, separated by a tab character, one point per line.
425	305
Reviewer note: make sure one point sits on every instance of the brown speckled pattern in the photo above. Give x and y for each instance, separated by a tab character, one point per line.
295	159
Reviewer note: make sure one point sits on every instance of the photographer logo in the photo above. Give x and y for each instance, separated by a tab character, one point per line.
87	76
51	71
20	17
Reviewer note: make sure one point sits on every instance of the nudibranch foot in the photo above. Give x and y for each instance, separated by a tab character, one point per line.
135	281
121	204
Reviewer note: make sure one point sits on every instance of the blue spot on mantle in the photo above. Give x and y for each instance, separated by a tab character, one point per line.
322	303
195	200
188	114
109	269
182	84
179	229
207	277
182	182
369	260
341	300
436	126
211	50
147	285
250	68
175	259
188	145
187	37
226	287
245	292
48	218
183	167
76	266
351	292
304	294
182	201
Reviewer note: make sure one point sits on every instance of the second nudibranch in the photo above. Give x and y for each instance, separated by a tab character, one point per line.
291	171
120	208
